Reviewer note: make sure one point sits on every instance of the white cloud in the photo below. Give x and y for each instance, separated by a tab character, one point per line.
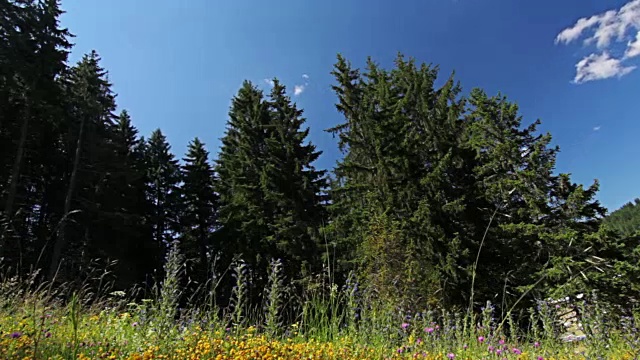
597	128
571	34
269	82
298	89
600	66
633	47
611	25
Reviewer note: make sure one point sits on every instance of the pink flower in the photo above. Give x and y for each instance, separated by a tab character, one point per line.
428	330
405	326
451	355
501	342
516	351
536	344
481	338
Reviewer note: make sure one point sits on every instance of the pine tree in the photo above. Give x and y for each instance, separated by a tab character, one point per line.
90	107
244	222
270	193
400	138
33	56
121	232
163	193
198	216
626	219
293	185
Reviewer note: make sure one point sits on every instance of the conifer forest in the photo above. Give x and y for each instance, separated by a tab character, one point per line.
443	231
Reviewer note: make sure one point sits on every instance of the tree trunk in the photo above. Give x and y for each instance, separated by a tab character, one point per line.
61	240
15	176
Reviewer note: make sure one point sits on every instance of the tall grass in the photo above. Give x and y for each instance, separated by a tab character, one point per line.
324	320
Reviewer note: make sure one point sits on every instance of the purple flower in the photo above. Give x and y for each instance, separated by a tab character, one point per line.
400	350
516	351
490	348
47	334
540	358
498	352
405	326
16	335
428	330
481	338
465	347
451	355
501	342
536	344
419	341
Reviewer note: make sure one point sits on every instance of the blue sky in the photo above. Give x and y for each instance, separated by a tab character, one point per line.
176	64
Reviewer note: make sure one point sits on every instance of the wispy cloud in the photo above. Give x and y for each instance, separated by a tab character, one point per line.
269	82
597	128
633	47
609	26
299	89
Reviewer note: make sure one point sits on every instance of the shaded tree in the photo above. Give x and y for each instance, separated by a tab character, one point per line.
198	216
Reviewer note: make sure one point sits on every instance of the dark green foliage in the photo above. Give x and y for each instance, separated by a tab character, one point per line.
199	202
124	229
625	220
467	192
401	163
270	193
33	51
162	190
89	106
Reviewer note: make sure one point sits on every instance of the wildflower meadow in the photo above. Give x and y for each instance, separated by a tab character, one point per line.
46	322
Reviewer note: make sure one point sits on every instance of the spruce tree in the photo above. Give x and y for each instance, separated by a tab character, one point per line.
90	105
293	185
199	202
33	53
162	190
270	193
626	219
121	230
400	167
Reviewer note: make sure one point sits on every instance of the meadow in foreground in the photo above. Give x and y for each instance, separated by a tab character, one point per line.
42	323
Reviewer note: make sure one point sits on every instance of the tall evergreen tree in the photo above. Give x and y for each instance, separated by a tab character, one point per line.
244	222
293	185
400	138
199	202
163	193
270	192
33	53
90	107
122	232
